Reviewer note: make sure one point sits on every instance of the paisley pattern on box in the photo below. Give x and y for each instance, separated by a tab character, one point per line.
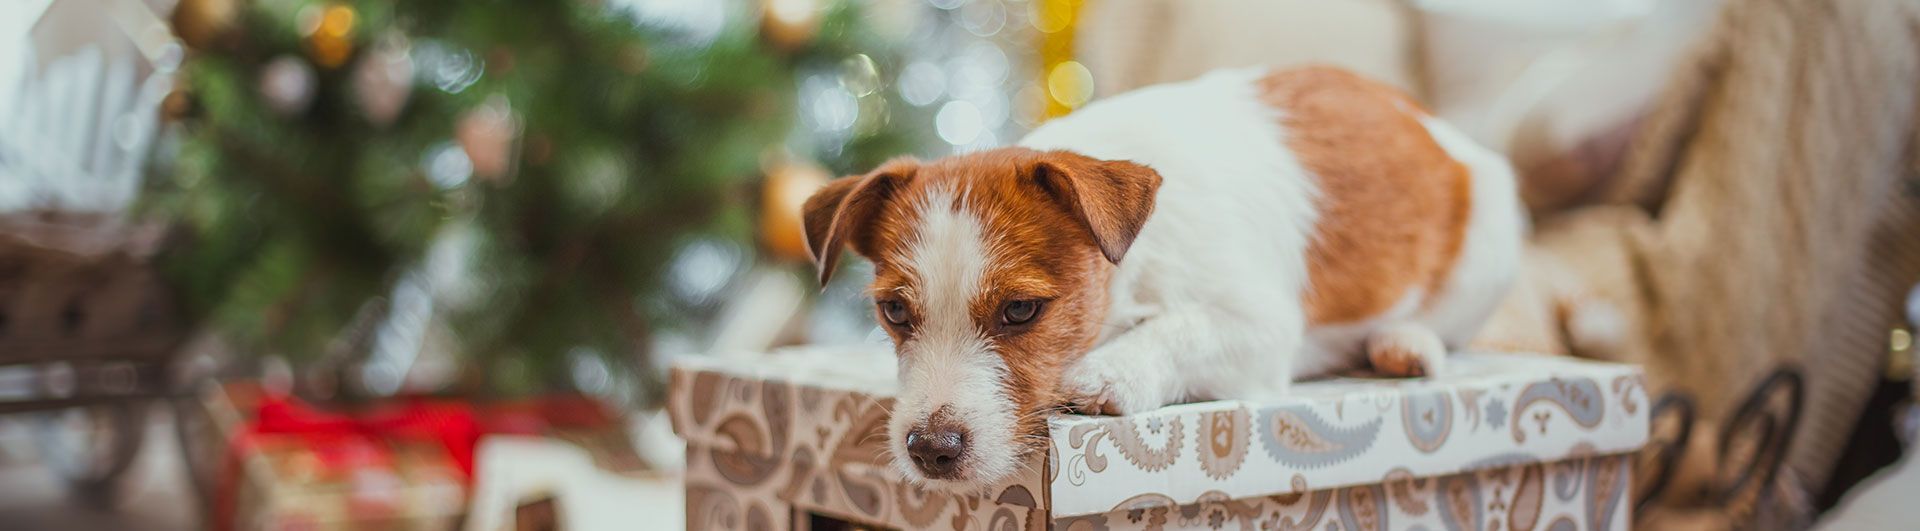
768	448
1504	498
1513	442
1300	438
1580	398
1427	418
1224	437
1351	432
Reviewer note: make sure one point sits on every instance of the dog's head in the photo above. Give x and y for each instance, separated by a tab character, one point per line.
990	273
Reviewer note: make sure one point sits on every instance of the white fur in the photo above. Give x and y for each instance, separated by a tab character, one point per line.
947	362
1207	302
1490	257
1411	337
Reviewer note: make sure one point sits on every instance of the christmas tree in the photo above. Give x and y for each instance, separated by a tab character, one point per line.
333	154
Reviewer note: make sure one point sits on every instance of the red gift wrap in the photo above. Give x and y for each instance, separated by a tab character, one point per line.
403	463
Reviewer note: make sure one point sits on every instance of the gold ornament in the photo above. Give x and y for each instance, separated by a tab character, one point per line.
785	190
790	24
200	22
328	33
179	103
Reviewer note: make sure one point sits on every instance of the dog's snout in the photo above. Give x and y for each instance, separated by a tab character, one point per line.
936	452
937	445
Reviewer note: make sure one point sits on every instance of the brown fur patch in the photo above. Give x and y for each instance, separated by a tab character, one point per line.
1394	205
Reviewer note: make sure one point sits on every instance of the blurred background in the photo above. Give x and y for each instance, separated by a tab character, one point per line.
420	263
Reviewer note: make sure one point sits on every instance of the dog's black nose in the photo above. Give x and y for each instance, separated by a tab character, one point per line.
936	449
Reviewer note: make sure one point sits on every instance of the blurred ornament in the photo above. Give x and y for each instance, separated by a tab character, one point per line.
328	33
287	84
488	134
786	188
790	24
176	107
383	80
450	69
447	165
199	22
178	104
859	75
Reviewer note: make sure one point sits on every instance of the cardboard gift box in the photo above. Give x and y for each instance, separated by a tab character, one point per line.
797	441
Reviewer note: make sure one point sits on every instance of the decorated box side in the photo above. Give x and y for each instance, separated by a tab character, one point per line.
1487	411
806	431
763	449
1567	495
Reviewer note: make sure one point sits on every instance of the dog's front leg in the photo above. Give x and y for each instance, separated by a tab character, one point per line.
1178	355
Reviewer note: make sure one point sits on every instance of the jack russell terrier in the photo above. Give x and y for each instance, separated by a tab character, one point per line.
1212	239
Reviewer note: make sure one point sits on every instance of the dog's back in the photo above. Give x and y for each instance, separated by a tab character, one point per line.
1306	203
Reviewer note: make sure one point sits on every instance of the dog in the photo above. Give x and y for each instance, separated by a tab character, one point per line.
1212	239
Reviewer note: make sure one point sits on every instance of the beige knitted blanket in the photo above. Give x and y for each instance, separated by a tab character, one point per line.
1778	225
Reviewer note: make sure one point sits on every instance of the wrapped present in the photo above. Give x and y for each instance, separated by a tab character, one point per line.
287	465
401	464
798	441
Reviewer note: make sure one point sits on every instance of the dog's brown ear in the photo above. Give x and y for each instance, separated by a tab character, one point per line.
1111	198
841	212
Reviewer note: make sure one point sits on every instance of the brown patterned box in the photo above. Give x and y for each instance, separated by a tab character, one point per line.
789	440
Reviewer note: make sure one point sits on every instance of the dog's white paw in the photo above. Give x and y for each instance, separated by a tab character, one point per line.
1096	388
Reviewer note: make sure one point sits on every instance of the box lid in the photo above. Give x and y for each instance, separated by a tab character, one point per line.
1488	410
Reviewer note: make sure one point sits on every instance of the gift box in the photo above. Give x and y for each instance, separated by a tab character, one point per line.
797	440
286	466
406	463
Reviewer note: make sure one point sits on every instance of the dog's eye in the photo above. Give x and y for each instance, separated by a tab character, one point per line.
1019	312
894	312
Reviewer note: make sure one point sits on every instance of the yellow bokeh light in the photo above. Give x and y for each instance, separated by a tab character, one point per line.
1052	15
338	21
1070	83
